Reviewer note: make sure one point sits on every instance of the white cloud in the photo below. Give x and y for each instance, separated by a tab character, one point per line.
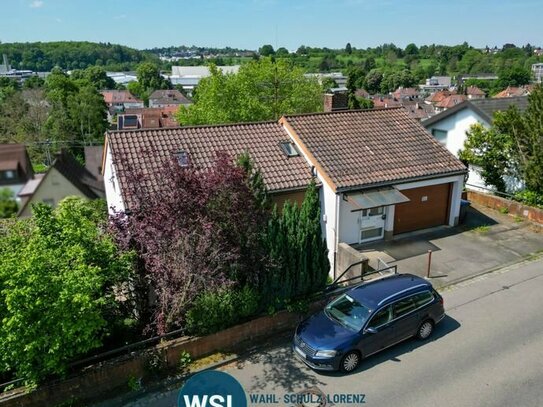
36	4
120	17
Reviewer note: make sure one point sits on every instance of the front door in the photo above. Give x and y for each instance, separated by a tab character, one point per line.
372	224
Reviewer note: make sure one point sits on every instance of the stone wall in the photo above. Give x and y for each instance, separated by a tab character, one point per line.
111	377
513	207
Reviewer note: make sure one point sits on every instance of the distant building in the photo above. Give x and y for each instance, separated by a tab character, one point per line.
123	78
118	101
460	79
473	92
15	167
338	77
513	91
66	177
450	101
168	98
436	83
7	72
189	76
537	70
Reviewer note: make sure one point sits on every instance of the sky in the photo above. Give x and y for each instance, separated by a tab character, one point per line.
282	23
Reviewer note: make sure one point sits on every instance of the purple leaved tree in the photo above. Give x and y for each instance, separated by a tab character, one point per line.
200	230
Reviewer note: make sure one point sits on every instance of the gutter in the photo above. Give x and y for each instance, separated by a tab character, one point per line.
404	180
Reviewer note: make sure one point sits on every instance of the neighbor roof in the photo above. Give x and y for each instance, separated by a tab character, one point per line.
13	156
365	148
147	150
118	96
169	96
485	108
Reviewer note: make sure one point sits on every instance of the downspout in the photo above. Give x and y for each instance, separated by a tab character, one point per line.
336	233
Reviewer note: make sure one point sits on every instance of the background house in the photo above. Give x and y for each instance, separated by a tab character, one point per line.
15	167
168	98
66	177
117	101
450	127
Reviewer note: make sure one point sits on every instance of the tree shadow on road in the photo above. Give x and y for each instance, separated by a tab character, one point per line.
280	369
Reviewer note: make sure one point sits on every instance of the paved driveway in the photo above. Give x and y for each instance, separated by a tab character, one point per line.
487	240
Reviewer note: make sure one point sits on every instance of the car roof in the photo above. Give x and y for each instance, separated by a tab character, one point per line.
375	293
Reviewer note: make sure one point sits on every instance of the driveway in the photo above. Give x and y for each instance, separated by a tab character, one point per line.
487	240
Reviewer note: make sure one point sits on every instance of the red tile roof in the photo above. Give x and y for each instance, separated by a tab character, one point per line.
362	148
474	91
451	101
118	96
512	91
439	96
147	150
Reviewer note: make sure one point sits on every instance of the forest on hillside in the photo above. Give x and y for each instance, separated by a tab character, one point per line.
44	56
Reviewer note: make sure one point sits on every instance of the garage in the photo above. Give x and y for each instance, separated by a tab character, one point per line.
427	207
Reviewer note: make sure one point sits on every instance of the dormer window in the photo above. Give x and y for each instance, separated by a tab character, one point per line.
182	158
290	149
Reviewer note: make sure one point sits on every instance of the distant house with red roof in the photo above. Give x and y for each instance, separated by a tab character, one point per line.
118	101
473	92
450	101
513	91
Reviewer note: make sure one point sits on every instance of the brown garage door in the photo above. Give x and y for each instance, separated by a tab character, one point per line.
428	207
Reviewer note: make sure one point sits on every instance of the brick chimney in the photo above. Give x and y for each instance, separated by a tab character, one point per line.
336	101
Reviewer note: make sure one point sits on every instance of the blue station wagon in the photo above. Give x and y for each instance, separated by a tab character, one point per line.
367	319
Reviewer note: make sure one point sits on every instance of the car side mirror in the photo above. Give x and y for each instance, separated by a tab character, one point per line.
371	330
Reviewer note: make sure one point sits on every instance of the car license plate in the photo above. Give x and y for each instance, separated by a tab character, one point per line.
299	352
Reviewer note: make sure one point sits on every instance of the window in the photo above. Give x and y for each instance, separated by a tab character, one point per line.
381	318
348	312
423	298
289	149
403	307
9	174
373	211
371	233
182	158
440	135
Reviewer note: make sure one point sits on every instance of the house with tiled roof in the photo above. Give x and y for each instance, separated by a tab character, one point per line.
286	174
168	98
449	101
65	177
513	91
473	92
450	127
117	101
380	173
15	167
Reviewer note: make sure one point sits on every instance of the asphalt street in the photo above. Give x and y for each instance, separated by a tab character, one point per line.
488	351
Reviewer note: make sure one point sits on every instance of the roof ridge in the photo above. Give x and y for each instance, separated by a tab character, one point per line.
197	126
374	109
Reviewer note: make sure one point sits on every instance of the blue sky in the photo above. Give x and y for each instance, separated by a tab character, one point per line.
251	23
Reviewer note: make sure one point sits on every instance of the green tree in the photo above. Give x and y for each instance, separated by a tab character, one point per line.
348	49
373	81
514	76
149	77
411	49
281	52
511	147
95	76
261	90
58	273
8	205
266	50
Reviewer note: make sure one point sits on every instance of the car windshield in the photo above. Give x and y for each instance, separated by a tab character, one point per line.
348	312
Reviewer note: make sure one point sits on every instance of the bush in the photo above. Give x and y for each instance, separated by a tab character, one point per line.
530	198
58	273
213	311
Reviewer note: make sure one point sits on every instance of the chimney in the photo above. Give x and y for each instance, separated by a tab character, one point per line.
336	101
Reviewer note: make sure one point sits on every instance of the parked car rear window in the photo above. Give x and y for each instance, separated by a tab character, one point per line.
423	298
404	306
348	312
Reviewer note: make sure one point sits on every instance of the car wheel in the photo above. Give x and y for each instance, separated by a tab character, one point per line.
350	361
425	330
